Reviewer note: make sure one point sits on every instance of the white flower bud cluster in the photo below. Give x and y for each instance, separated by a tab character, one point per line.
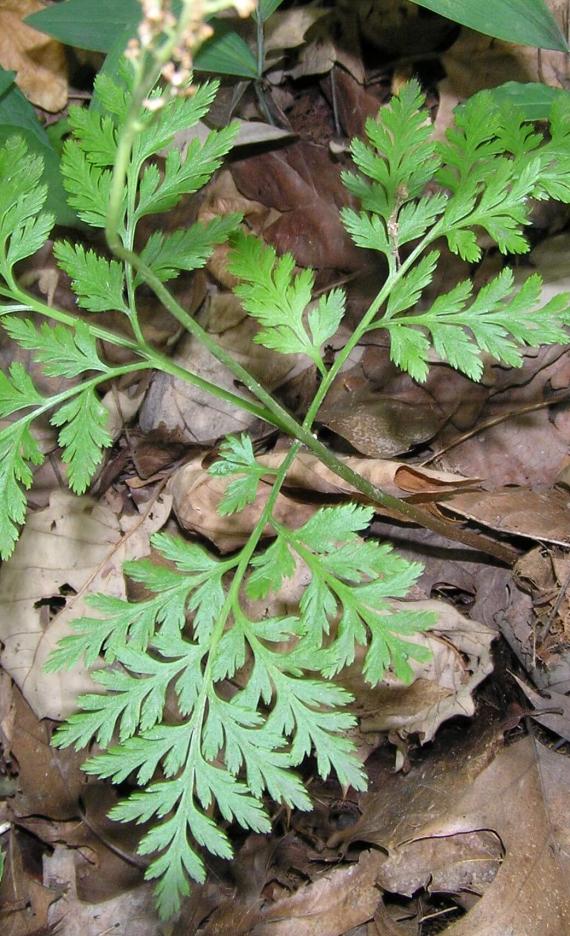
158	21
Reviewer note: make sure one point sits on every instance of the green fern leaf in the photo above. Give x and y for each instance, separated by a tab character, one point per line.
186	249
278	299
97	283
17	392
83	434
180	114
183	175
88	186
499	322
24	227
96	134
237	458
18	450
62	351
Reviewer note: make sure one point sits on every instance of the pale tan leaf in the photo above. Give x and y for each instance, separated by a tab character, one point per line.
196	494
39	61
72	548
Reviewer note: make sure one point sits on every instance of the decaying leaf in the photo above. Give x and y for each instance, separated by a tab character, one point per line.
24	900
557	719
430	823
66	551
50	782
379	425
39	61
332	905
302	183
286	29
131	912
196	494
540	515
443	686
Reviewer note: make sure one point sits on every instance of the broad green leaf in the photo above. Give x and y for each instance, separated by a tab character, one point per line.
226	53
267	8
531	100
6	80
88	24
526	22
18	118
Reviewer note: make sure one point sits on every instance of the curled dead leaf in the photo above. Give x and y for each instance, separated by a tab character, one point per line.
196	494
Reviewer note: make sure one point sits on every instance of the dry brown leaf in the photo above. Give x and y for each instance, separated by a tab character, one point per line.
559	722
131	913
286	29
528	445
476	62
527	448
50	782
302	182
464	789
331	906
315	58
196	494
539	515
39	61
195	498
398	806
106	863
381	426
530	894
24	901
399	27
468	861
66	551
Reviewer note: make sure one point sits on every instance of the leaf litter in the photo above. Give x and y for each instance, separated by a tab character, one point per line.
442	763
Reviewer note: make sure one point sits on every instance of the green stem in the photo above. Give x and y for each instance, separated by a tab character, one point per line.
290	425
31	304
132	182
196	723
79	388
154	358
